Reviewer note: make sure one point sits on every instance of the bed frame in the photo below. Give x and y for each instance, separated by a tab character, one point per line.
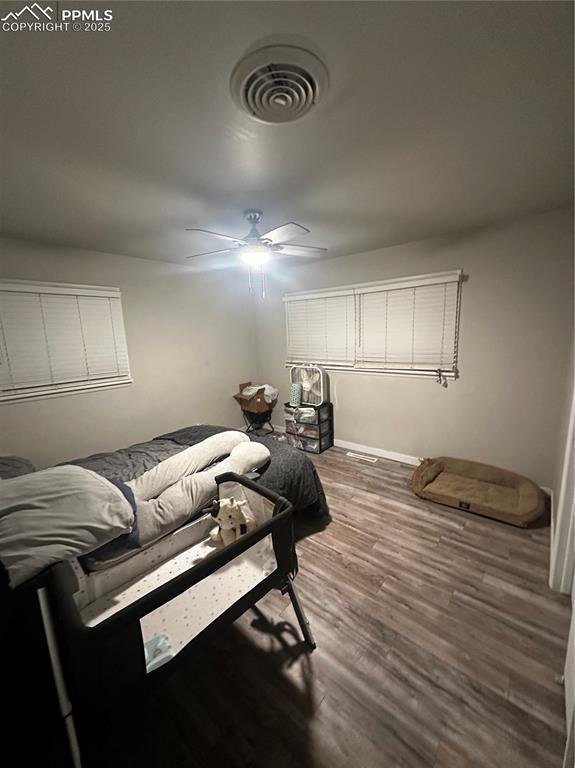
92	663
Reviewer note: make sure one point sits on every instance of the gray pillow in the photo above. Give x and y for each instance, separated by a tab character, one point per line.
57	514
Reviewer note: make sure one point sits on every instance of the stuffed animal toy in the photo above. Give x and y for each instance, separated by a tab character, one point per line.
234	518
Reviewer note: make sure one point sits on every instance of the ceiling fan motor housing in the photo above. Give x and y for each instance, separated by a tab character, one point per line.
278	83
254	217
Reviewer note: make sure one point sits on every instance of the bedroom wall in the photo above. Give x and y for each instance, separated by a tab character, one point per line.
506	408
190	341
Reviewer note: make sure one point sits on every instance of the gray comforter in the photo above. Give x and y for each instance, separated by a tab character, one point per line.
289	473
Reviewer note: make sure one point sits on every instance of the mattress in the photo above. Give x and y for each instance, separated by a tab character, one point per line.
289	473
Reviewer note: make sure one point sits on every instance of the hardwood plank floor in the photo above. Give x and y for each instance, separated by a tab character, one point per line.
439	644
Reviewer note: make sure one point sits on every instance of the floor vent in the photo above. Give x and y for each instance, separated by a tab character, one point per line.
370	459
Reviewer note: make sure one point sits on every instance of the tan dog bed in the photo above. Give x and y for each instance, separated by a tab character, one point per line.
479	488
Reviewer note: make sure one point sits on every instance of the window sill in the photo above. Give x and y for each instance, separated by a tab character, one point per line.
404	373
60	391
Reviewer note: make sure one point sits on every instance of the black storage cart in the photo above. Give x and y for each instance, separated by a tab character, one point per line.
309	427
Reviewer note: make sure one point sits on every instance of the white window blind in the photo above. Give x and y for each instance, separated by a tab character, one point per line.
322	329
57	338
408	326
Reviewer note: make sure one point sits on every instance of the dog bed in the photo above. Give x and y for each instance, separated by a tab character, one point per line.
479	488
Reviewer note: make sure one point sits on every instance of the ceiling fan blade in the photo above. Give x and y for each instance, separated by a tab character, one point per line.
212	253
217	234
285	233
300	250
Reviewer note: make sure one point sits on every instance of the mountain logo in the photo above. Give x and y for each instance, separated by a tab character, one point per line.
35	9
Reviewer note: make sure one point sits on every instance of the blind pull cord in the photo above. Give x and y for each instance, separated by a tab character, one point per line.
440	378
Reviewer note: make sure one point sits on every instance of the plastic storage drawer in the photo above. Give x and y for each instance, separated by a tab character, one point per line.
308	430
307	414
310	444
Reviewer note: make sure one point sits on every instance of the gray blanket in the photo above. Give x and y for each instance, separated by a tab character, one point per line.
289	473
14	466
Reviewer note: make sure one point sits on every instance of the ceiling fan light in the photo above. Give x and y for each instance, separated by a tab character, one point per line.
255	255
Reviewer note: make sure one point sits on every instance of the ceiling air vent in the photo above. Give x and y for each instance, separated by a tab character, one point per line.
278	83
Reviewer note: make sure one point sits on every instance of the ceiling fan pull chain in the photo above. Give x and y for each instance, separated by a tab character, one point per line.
250	278
263	277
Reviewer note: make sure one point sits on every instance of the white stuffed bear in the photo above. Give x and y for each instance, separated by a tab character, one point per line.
234	518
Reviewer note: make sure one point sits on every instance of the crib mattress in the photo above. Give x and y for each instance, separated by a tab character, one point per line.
169	628
247	569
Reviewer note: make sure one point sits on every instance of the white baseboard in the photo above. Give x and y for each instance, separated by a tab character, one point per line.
368	449
549	492
381	452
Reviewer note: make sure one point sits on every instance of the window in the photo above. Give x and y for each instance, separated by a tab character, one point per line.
57	338
403	326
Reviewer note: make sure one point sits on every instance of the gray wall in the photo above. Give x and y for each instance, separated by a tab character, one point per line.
507	407
190	341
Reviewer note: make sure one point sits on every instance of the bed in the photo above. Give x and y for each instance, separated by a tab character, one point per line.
290	473
112	629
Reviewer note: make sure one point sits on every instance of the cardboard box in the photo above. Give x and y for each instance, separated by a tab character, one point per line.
254	404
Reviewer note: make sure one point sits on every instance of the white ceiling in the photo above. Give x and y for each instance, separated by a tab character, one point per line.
440	116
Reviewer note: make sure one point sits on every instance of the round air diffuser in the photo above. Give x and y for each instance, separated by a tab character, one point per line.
278	83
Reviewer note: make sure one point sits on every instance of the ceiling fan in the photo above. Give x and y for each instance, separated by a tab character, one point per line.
256	249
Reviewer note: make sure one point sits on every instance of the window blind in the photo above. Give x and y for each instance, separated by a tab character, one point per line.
322	329
58	338
408	325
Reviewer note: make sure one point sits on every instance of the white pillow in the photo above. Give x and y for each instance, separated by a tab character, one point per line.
57	514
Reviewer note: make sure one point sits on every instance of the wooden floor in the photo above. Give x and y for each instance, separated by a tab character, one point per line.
439	646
